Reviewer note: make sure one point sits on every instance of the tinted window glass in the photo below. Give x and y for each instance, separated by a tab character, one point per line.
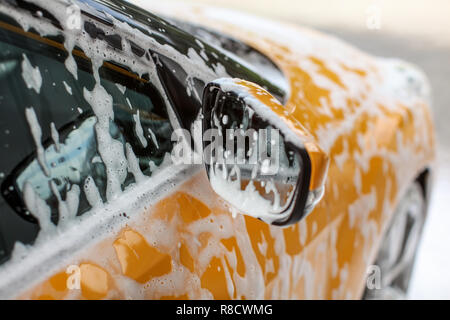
38	93
245	54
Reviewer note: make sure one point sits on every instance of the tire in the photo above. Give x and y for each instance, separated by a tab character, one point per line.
399	247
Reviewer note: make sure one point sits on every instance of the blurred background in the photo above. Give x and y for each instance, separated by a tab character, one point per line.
414	30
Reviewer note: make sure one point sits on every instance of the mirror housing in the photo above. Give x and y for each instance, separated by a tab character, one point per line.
258	158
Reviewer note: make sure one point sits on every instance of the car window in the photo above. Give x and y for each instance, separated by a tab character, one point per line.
48	138
245	54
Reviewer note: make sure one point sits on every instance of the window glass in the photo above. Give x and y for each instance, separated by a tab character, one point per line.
270	74
47	129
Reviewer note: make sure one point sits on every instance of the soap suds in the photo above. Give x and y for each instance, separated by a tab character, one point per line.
138	129
38	208
31	75
55	136
68	88
133	164
92	194
36	132
153	137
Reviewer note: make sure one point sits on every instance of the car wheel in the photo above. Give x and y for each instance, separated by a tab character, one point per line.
398	249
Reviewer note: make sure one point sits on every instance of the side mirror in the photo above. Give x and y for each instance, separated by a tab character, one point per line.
258	159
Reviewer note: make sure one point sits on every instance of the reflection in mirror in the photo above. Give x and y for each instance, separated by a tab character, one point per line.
248	161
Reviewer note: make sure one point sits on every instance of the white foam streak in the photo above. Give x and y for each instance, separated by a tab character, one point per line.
36	132
31	75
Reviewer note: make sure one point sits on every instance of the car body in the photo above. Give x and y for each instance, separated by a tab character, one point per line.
166	234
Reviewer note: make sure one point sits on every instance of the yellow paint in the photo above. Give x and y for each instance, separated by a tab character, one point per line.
139	260
94	281
214	280
186	258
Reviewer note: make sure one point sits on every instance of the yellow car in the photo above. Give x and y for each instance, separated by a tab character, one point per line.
199	153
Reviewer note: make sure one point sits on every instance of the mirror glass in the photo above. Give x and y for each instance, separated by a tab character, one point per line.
249	163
